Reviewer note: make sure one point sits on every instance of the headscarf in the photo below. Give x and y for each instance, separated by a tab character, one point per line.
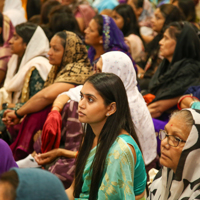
35	184
101	5
173	79
113	38
185	183
120	64
6	158
34	54
75	67
14	10
5	52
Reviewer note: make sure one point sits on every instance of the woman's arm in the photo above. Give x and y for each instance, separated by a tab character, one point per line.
38	102
70	191
50	156
158	107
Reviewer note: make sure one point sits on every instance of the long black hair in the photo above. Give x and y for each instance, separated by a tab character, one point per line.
111	89
130	21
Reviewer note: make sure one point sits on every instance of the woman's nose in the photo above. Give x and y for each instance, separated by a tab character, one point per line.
164	143
11	41
81	103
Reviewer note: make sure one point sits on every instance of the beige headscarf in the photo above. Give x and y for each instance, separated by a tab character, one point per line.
75	67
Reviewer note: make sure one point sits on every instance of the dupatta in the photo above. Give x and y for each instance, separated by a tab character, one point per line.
118	178
33	57
75	67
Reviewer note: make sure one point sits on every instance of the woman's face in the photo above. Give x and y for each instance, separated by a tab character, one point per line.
91	108
56	51
17	45
118	19
170	155
157	21
167	46
92	36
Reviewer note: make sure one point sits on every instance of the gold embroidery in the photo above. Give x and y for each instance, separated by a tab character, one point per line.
25	89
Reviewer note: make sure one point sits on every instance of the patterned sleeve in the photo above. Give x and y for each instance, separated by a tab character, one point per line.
117	182
36	83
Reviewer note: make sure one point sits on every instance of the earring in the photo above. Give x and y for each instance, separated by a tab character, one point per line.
100	41
107	114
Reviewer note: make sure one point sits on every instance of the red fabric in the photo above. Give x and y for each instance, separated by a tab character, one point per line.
149	98
51	133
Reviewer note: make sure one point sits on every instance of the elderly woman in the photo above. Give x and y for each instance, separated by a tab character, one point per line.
180	146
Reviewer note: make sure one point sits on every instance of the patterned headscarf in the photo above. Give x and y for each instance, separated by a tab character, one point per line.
75	67
120	64
185	183
113	38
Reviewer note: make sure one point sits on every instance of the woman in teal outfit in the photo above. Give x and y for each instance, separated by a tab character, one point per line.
107	159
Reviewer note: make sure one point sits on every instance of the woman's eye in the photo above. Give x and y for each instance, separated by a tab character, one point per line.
90	100
81	96
177	139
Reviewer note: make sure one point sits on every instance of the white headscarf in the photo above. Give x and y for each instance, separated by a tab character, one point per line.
14	10
36	49
185	183
120	64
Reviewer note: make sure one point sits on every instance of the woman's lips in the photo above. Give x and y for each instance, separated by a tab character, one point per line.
81	114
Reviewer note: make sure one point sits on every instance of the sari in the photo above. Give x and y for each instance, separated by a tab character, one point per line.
6	157
75	68
185	183
5	52
118	176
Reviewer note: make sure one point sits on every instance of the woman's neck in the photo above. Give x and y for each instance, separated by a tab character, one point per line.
99	51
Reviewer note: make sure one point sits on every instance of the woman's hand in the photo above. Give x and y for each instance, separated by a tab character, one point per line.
48	157
9	118
155	110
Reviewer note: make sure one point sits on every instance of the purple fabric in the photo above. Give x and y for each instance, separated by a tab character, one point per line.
71	134
6	158
23	145
113	39
160	124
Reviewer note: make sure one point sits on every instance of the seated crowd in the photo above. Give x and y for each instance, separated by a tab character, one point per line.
99	99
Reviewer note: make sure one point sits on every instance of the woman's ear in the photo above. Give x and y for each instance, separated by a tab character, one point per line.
111	109
101	40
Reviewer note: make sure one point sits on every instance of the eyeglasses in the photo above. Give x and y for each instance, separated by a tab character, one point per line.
171	139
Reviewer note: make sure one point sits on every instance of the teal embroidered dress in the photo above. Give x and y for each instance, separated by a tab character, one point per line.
34	84
122	177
